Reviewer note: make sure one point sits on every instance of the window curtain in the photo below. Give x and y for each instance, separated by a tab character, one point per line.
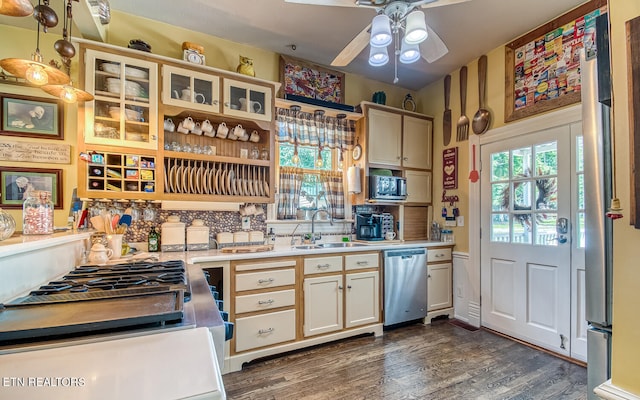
289	192
315	129
334	190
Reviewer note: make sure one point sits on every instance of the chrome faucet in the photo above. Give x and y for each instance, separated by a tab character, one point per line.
293	238
313	230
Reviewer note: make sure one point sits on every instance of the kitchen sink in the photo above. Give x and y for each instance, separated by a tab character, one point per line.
307	246
340	244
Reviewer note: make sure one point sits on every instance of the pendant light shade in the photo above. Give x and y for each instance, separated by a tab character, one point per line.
380	31
378	56
416	28
67	93
409	53
16	8
32	70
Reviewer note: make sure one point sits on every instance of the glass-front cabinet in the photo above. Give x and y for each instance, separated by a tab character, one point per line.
190	89
124	111
247	100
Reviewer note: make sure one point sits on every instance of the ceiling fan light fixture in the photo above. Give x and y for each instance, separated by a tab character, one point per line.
416	28
409	53
380	31
378	56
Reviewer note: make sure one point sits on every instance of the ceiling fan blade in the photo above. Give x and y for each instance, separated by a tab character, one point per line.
440	3
433	48
339	3
352	49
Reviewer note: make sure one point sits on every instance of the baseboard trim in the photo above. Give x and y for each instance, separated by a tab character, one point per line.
542	349
608	391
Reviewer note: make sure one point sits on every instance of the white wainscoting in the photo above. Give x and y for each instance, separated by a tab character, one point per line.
466	288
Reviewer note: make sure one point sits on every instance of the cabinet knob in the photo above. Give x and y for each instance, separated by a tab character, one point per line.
215	102
348	286
405	158
428	275
340	287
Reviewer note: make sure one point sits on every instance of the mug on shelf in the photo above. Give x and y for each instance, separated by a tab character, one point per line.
390	235
255	136
240	133
188	123
169	126
197	130
223	131
207	128
182	129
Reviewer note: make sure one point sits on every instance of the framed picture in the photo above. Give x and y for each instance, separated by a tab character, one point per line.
31	117
16	182
301	78
543	67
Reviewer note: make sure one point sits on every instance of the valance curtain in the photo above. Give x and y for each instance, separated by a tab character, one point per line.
289	192
315	129
332	182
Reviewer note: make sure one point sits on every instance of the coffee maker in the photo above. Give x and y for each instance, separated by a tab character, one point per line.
369	227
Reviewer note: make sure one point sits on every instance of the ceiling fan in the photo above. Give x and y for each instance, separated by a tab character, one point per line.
397	11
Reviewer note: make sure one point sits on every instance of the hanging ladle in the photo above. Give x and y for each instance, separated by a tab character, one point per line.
474	175
482	118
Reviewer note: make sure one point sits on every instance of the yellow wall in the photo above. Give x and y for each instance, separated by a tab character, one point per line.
626	349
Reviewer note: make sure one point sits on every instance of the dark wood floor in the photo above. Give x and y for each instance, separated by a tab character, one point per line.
438	361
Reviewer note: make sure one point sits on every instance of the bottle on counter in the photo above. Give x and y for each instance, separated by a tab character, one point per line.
37	213
153	240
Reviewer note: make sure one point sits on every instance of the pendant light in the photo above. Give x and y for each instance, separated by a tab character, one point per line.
34	70
67	92
416	28
16	8
409	53
380	31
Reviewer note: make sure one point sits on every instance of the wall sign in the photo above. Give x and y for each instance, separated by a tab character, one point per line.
35	152
543	66
450	168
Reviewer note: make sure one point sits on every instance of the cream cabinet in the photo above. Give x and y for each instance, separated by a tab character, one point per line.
385	137
417	136
336	301
124	111
247	100
439	282
190	89
418	186
263	307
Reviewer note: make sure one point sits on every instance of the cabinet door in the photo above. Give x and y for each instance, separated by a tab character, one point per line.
439	286
247	100
362	298
184	88
416	146
384	140
418	186
323	304
124	111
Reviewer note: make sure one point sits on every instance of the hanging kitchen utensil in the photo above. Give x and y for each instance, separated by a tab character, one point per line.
446	118
463	121
474	175
482	119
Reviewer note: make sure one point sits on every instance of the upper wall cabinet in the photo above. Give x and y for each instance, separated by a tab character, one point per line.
190	89
247	100
125	109
416	145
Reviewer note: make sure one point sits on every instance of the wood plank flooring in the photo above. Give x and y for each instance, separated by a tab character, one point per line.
438	361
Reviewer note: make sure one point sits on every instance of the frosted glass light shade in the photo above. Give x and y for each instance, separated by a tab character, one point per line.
416	28
378	56
409	53
380	31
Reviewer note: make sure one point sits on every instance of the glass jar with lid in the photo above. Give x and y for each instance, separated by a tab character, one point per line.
37	213
7	225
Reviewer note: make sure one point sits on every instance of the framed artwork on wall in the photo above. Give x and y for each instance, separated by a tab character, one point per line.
31	117
543	67
302	78
16	182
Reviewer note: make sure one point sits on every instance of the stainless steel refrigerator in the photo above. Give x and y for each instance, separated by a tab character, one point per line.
596	120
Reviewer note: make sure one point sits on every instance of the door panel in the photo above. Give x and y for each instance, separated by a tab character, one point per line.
525	271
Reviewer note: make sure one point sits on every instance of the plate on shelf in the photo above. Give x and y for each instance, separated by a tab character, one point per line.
185	178
204	177
166	175
230	178
222	181
177	180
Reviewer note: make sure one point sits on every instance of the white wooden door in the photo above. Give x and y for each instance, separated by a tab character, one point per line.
416	142
362	299
439	286
323	299
525	271
385	137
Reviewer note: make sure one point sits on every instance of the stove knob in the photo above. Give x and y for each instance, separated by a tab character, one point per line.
228	330
220	304
224	315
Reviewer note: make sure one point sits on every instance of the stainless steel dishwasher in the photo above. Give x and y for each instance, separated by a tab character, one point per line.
405	285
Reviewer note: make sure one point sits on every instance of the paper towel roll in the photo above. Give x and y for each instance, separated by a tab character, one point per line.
353	179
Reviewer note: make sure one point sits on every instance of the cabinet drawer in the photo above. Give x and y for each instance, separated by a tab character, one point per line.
265	330
317	265
265	279
265	301
436	255
359	261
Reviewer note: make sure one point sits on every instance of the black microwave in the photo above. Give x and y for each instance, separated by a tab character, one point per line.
387	187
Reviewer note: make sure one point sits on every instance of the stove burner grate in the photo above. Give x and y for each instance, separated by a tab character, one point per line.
69	297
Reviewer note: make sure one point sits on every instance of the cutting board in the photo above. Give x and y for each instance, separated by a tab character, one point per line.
446	118
247	249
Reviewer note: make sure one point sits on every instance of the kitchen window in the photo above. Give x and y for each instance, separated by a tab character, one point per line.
312	194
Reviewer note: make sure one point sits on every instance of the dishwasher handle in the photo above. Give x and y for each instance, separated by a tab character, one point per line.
405	253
